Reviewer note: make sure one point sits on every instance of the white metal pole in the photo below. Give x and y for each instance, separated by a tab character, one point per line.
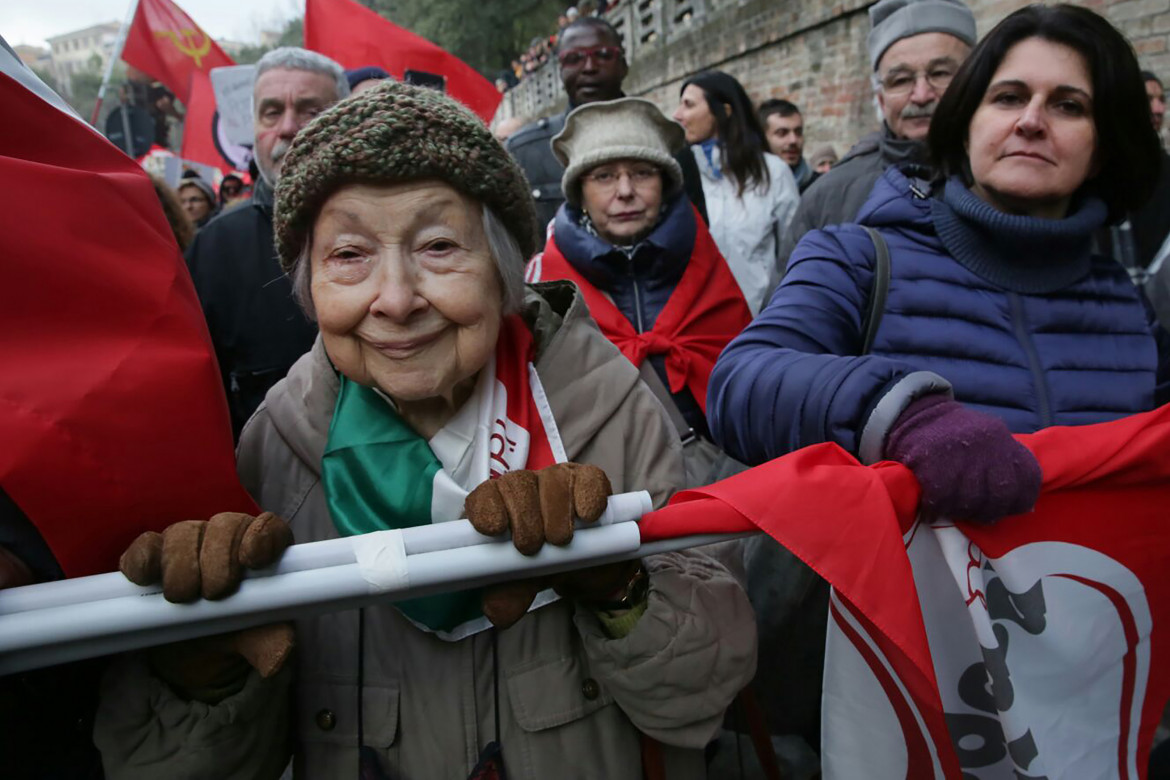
52	636
46	637
116	55
621	508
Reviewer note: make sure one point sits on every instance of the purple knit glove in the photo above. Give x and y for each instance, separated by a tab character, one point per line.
968	464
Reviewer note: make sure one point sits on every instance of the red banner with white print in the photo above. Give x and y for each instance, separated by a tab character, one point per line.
1035	647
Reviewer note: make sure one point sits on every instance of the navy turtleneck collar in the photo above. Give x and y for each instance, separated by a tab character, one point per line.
1022	254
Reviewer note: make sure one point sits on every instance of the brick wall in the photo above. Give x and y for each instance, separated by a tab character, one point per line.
813	53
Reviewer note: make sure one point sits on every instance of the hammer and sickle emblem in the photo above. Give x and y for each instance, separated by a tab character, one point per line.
185	40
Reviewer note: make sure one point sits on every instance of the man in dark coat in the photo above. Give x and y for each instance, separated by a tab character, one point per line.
915	48
256	325
593	66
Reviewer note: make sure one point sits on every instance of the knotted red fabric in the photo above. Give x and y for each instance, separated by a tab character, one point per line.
705	312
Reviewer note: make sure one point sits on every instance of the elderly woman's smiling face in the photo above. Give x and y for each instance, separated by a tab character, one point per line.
405	288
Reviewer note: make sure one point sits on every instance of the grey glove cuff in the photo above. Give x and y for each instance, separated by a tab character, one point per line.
871	444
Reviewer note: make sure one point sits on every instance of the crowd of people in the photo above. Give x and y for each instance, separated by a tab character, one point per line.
673	299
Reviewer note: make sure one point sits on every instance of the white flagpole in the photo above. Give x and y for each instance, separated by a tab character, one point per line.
116	55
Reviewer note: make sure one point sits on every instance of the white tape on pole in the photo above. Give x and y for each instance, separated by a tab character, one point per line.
381	560
623	507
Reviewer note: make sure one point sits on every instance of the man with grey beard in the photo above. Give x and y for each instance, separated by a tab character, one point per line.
915	48
256	325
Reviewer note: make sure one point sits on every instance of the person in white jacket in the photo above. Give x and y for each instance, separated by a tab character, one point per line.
751	194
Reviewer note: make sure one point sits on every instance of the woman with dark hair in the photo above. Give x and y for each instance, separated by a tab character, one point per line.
962	310
181	226
751	194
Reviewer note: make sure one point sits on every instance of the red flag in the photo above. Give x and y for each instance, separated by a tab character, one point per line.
202	140
112	414
1037	646
166	45
356	37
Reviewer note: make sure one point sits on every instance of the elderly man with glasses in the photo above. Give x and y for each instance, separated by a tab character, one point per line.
915	48
592	65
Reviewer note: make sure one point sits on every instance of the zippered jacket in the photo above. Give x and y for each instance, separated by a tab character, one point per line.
1012	314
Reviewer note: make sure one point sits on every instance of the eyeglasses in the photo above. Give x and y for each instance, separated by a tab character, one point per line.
606	179
901	81
573	58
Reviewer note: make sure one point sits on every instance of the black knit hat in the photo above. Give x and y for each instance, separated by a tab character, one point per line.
398	133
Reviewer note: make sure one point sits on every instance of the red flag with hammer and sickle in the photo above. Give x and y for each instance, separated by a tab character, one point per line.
166	45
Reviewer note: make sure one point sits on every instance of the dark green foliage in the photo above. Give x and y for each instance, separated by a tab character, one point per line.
292	35
485	35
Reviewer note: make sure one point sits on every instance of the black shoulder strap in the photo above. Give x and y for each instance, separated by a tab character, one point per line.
877	293
650	377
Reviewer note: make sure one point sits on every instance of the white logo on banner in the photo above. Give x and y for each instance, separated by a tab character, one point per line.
1042	659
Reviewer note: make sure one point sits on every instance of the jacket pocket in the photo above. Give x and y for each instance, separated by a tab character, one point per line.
327	712
546	694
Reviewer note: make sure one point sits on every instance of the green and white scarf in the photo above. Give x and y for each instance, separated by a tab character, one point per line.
379	474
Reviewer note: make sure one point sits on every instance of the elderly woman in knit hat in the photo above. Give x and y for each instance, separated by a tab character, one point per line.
631	241
405	225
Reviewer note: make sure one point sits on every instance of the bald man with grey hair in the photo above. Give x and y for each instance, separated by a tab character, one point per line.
256	326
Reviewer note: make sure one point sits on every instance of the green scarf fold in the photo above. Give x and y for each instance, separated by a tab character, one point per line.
378	475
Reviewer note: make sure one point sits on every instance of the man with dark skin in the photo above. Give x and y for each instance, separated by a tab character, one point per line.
1157	95
592	66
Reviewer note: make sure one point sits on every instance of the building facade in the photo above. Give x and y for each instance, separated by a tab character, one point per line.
88	49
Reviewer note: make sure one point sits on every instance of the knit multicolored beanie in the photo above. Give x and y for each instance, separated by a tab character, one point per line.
396	133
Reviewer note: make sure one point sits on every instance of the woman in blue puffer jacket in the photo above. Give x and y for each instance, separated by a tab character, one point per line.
998	318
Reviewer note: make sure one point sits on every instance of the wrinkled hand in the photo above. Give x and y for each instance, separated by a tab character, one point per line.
195	558
968	464
540	506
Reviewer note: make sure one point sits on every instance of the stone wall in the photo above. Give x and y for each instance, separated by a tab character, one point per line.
811	52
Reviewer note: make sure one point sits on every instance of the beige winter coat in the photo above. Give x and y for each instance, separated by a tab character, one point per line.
572	701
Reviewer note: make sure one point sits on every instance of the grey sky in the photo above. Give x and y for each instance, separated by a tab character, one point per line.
31	21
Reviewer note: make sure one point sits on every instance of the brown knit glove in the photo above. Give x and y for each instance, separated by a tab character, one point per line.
540	506
195	558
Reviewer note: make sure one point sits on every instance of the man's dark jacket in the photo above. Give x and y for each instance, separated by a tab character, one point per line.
256	325
531	146
837	196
